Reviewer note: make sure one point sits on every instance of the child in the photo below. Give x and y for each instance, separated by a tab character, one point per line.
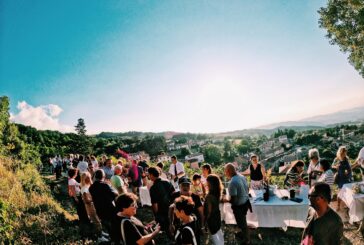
197	187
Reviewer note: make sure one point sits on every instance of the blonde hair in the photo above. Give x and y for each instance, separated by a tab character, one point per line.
86	176
341	153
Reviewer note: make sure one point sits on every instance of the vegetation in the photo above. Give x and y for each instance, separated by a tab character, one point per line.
28	212
344	22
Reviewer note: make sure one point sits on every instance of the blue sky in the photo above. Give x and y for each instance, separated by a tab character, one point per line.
197	66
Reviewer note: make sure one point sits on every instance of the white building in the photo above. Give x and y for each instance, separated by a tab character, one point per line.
196	156
283	139
163	158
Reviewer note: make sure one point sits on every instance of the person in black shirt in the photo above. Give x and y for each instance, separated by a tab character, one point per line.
103	197
188	231
129	230
324	226
198	210
256	172
160	195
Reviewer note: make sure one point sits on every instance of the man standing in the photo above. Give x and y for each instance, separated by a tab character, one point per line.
82	166
239	199
324	226
176	170
198	210
103	197
314	169
117	182
160	195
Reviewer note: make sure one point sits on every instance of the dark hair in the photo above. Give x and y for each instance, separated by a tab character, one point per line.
124	201
300	163
208	167
196	177
253	156
80	158
174	157
153	171
185	203
325	164
99	174
72	172
322	189
216	186
160	165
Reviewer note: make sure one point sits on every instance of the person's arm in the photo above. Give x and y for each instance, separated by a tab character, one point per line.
355	164
202	215
72	192
147	238
246	172
180	170
155	208
132	235
87	199
171	218
181	174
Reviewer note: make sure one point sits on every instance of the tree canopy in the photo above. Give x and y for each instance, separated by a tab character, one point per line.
344	22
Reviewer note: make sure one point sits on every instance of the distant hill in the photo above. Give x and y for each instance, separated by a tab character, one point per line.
345	116
310	123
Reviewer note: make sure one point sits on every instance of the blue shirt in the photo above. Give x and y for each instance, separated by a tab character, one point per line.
238	187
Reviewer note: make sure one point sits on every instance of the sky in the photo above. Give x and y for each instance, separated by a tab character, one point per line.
186	66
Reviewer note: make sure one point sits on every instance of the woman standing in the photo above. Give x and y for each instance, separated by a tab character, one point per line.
187	233
206	170
86	182
256	172
342	165
212	210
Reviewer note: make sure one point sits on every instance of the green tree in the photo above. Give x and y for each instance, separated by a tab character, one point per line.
213	154
82	143
81	127
4	119
344	22
184	152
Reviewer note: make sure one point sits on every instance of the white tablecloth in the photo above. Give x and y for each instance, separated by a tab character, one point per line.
355	202
273	213
144	196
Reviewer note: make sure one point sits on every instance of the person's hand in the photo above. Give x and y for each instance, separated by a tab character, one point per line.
157	229
171	229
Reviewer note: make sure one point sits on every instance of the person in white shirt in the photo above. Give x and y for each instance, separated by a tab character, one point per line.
95	163
314	169
82	166
327	176
177	170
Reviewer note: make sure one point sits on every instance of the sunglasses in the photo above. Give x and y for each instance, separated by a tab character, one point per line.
312	195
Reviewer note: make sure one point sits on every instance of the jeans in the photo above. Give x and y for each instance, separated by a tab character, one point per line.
240	217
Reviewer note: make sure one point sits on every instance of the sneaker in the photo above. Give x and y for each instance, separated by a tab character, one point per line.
102	239
104	234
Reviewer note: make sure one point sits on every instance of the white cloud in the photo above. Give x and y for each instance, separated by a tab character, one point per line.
41	117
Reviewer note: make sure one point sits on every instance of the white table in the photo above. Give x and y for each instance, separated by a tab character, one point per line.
273	213
144	196
355	202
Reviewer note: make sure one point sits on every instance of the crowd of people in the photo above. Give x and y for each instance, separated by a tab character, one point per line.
106	197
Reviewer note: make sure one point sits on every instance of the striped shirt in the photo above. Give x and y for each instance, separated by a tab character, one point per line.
327	177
